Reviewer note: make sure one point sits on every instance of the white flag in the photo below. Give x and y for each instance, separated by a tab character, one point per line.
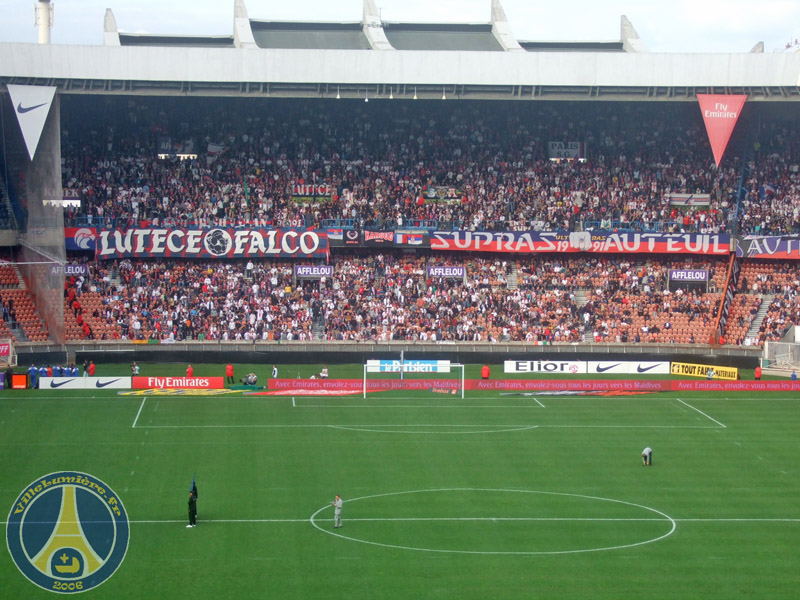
32	105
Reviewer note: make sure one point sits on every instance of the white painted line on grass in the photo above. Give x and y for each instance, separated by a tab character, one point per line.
702	413
141	406
435	519
438	406
535	399
665	519
500	429
363	425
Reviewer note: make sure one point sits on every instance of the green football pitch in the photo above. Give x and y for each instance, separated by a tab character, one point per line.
492	496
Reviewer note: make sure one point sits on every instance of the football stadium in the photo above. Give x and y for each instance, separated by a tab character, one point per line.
424	310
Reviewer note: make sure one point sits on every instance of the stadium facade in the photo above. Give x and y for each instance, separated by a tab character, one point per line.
373	59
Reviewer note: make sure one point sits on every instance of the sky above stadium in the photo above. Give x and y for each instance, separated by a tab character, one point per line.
663	26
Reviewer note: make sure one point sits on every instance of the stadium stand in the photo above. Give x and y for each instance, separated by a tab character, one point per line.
391	296
469	167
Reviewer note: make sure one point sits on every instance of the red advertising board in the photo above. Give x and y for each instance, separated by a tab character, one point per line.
533	385
183	383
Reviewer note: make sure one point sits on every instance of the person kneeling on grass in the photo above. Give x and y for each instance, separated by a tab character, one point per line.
250	379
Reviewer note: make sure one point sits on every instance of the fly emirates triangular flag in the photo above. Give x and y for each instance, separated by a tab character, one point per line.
31	105
720	114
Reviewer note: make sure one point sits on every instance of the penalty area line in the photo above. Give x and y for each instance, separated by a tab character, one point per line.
702	413
141	406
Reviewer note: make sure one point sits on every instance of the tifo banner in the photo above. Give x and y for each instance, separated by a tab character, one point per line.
689	199
227	242
566	150
378	238
720	114
306	192
694	370
412	239
79	238
440	192
717	244
186	383
769	247
85	383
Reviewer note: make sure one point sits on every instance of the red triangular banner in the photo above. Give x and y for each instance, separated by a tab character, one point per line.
720	114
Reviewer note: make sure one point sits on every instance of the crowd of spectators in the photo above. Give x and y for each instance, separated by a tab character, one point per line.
471	166
392	296
779	279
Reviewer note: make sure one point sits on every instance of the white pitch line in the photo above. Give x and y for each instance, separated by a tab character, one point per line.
535	399
439	406
362	425
141	406
702	413
468	519
331	426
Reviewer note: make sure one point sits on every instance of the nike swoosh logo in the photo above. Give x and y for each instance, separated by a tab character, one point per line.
53	384
23	109
604	369
102	384
640	369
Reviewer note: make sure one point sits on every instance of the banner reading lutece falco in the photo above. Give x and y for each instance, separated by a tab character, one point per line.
217	242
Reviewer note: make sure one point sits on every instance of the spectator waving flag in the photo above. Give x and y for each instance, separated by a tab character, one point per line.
214	151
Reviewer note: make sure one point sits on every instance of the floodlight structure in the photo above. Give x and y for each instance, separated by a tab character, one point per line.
43	19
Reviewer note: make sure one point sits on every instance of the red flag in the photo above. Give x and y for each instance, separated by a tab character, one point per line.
720	114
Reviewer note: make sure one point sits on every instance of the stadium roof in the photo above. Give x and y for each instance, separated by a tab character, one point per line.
374	59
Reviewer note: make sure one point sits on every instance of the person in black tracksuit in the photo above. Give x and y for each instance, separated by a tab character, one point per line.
193	507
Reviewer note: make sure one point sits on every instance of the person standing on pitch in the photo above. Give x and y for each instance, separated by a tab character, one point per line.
189	371
229	372
274	371
192	507
647	456
337	512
